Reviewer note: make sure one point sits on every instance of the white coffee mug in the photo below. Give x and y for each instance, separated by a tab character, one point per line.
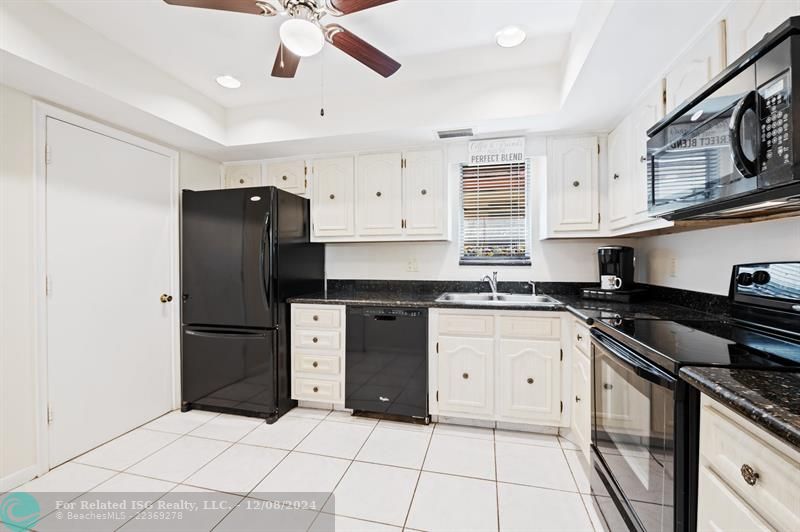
610	282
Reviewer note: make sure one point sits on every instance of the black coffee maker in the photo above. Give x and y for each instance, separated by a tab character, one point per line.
616	267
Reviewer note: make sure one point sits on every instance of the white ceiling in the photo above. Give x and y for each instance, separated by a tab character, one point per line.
431	38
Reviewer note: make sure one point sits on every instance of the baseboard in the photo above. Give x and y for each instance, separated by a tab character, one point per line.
19	478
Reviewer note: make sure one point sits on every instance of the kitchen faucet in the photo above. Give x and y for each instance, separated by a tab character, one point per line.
533	287
492	283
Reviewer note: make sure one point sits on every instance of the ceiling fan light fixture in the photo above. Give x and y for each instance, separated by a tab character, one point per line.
229	82
302	37
510	36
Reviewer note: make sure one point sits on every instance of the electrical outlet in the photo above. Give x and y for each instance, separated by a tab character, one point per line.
673	267
412	265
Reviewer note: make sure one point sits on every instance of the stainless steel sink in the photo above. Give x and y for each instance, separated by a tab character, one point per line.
489	299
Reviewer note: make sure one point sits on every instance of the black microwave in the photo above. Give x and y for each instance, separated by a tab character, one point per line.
733	149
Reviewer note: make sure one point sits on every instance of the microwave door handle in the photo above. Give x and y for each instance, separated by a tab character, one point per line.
748	103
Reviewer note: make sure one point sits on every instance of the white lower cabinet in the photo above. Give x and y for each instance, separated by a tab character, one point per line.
464	367
581	399
501	366
748	479
318	349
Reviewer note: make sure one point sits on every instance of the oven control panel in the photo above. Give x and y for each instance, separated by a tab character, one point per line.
776	124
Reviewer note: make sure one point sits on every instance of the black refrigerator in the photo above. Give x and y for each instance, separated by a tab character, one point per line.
244	252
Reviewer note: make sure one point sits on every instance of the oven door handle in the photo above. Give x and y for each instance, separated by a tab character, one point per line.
639	366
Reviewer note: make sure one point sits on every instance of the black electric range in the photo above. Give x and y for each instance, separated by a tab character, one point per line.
645	423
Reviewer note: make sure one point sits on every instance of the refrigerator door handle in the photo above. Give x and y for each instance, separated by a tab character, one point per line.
266	277
228	334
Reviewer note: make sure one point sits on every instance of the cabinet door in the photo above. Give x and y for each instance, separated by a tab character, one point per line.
288	175
642	119
572	193
424	199
333	207
581	424
465	375
748	22
530	380
720	509
379	192
619	178
242	175
696	68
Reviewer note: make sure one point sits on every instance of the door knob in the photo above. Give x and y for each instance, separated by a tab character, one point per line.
165	298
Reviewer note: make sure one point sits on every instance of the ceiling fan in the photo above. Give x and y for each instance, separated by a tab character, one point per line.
303	34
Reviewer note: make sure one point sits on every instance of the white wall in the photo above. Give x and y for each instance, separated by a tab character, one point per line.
703	259
17	383
198	173
552	260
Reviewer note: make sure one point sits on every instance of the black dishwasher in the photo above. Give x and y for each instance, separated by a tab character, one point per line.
386	365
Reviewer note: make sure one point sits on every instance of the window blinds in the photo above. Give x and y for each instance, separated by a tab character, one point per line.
495	228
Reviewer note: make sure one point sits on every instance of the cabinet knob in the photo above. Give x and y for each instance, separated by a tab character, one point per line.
608	386
315	318
315	364
642	158
315	339
378	194
749	475
316	389
616	176
576	184
465	376
284	178
331	196
241	181
423	191
165	298
530	380
577	399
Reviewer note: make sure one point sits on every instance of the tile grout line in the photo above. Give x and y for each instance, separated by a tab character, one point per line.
578	488
419	477
496	477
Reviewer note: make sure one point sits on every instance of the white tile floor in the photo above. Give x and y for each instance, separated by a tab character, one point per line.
384	475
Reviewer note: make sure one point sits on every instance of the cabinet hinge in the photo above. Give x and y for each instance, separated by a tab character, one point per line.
48	154
437	396
305	170
664	96
562	355
598	149
49	414
562	406
598	217
48	287
305	184
437	347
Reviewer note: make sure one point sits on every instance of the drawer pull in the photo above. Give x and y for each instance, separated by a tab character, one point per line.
749	475
530	380
315	364
608	386
465	376
315	318
315	339
316	389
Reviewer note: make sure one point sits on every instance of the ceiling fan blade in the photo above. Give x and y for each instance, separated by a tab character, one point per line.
286	63
252	7
351	6
361	50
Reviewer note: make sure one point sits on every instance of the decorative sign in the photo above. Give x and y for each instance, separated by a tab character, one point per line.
497	151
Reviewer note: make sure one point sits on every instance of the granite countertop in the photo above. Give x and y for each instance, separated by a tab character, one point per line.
771	399
590	310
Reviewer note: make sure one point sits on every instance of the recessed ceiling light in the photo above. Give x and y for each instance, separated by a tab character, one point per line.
229	82
510	36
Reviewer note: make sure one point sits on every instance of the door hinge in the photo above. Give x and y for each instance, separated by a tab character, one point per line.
48	154
49	414
562	406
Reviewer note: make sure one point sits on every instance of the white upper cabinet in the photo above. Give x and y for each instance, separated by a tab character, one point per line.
748	22
424	199
573	197
531	380
696	68
242	175
332	202
644	116
288	175
620	169
379	188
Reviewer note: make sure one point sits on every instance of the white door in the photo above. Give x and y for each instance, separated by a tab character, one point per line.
111	251
379	188
619	179
573	196
288	175
530	380
465	375
423	192
333	208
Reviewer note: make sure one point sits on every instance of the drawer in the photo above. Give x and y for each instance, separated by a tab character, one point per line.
581	339
316	390
311	363
466	324
329	318
731	449
529	327
317	339
719	508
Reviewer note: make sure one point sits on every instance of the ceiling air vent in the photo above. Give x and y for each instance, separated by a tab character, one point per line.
455	133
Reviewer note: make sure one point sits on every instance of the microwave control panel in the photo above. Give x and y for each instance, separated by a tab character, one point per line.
776	124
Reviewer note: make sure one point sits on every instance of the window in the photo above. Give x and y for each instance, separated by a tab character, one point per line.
495	226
